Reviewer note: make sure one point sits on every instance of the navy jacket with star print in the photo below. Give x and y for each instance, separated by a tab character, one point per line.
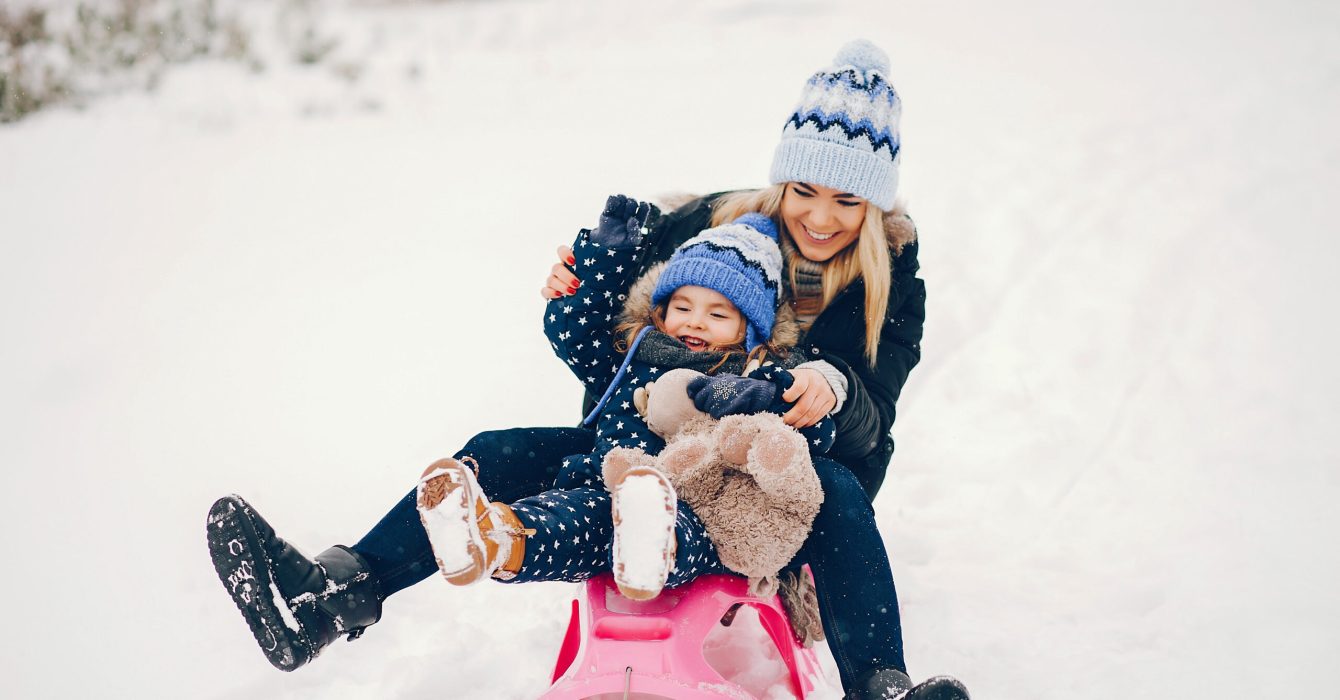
580	329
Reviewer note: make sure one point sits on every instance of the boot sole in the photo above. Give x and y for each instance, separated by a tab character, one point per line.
443	503
939	688
658	535
245	571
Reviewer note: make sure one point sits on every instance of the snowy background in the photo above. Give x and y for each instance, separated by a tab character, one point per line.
304	283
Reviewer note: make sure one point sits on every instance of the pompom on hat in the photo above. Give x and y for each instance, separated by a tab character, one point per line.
843	132
741	261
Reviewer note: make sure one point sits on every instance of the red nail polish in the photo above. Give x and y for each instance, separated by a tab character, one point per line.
572	260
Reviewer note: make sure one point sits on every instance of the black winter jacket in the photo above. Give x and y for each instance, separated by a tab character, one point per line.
864	443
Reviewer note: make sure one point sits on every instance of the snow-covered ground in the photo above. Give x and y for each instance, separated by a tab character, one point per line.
1113	476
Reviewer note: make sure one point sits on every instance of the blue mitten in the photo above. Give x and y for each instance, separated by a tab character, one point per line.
623	221
819	436
728	395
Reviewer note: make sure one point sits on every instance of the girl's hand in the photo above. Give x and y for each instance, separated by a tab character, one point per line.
561	281
812	396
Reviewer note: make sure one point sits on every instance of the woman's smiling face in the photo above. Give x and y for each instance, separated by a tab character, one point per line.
701	318
822	221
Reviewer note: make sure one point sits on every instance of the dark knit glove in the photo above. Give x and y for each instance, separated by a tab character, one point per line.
623	221
731	395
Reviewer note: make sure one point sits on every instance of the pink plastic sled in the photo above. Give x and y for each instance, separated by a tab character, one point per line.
617	648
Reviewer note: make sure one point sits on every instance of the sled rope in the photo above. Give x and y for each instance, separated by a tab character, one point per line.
618	377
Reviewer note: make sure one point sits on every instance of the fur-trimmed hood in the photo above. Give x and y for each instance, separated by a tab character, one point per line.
898	227
785	329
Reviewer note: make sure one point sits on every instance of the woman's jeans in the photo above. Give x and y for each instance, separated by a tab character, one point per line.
857	600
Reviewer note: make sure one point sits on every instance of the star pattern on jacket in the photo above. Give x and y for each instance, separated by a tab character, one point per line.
552	554
580	328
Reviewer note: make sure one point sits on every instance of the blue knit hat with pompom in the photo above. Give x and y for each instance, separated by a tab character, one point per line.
740	260
843	132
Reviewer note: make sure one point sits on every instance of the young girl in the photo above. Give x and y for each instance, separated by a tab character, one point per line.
711	308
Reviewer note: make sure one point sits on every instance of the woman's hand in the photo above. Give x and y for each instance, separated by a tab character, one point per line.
561	281
812	396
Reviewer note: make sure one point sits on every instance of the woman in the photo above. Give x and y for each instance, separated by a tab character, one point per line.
851	267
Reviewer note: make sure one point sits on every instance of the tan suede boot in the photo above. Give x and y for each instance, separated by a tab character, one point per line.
472	538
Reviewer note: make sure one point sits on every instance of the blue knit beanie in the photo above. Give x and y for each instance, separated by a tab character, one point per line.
740	260
843	133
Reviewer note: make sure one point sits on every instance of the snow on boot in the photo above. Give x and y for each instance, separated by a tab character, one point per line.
644	505
472	539
892	684
295	606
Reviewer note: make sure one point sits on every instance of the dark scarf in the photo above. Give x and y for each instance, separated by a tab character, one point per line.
807	293
809	274
661	350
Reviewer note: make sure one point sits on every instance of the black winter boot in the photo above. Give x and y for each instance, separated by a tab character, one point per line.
892	684
294	605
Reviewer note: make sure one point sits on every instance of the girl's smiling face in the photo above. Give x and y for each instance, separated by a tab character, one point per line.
702	318
821	220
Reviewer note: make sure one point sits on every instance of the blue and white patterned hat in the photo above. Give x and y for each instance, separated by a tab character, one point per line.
844	131
740	260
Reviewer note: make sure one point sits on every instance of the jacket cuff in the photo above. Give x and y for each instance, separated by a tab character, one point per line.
837	381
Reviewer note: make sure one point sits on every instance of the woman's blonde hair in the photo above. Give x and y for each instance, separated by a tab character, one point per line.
868	258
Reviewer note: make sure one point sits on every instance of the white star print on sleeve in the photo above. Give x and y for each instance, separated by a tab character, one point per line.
580	326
